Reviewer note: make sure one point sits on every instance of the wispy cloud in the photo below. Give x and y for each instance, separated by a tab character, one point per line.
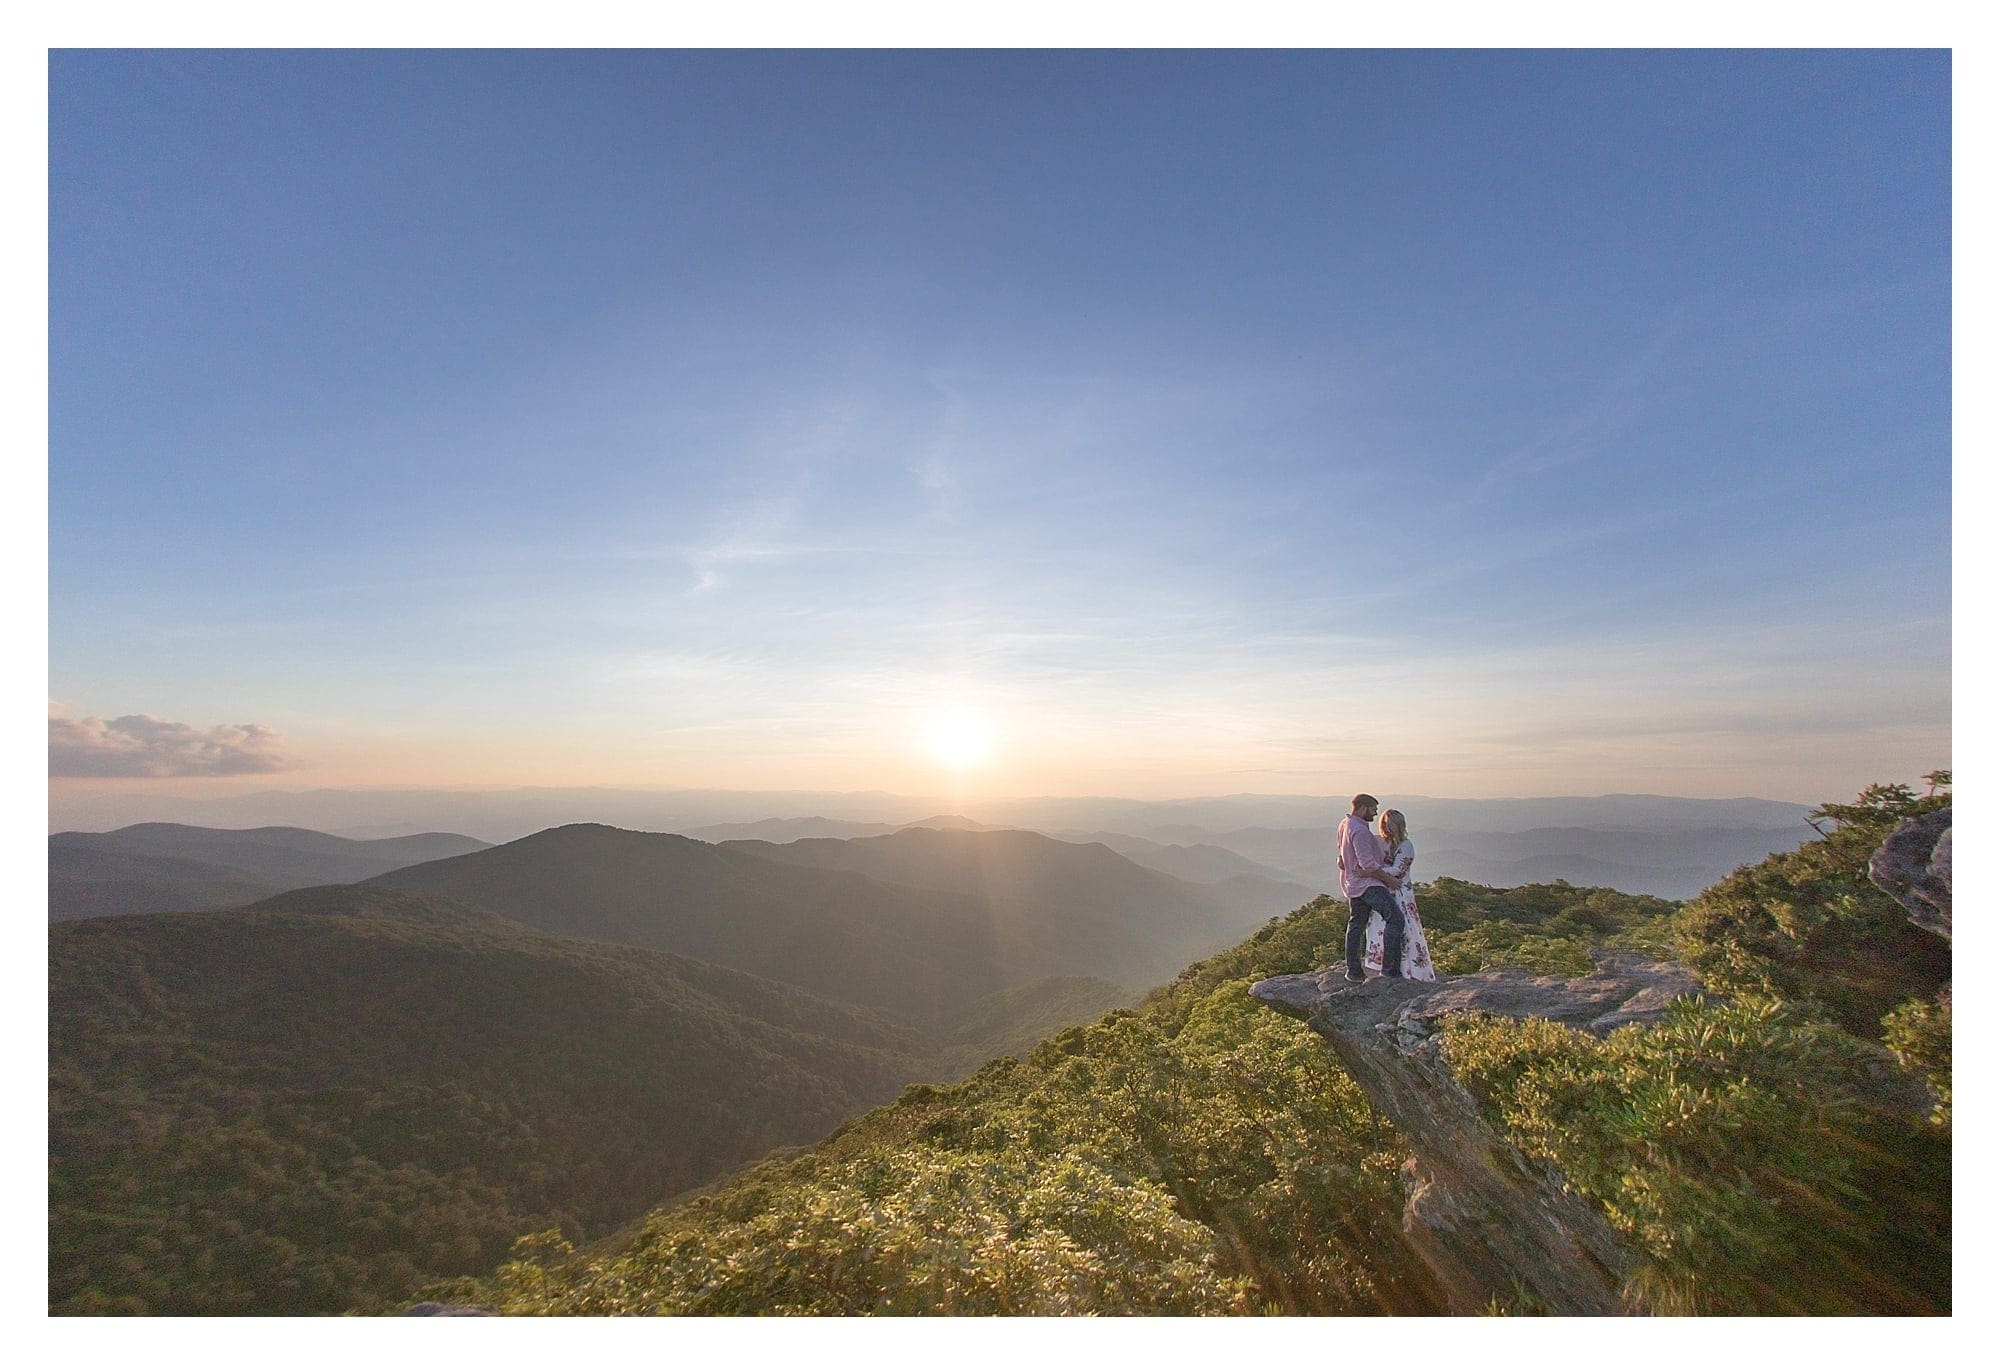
933	472
759	533
786	464
935	465
1589	431
146	746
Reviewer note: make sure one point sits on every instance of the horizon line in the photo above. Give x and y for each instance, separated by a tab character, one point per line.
848	792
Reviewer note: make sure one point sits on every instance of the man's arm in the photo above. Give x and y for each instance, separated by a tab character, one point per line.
1367	851
1369	861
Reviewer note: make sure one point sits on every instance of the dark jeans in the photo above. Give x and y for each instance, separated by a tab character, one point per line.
1376	900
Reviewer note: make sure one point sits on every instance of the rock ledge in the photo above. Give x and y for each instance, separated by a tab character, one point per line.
1494	1226
1623	988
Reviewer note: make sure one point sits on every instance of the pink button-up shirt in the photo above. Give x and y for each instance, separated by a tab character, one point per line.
1360	854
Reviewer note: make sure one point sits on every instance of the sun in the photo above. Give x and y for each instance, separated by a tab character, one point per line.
960	739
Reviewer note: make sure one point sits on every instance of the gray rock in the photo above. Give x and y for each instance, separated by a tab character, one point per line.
428	1309
1622	988
1493	1225
1914	866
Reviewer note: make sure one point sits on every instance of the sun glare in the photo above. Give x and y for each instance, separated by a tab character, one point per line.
959	739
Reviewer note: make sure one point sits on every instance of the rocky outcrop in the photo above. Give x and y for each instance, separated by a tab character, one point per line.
1494	1226
1914	866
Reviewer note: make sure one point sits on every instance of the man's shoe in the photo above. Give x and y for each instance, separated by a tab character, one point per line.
1356	978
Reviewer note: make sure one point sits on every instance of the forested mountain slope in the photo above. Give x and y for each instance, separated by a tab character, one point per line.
922	953
152	867
87	882
921	922
1203	864
310	1104
1098	911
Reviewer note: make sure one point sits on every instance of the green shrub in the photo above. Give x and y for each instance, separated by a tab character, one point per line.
1740	1151
1919	1033
1548	929
1810	929
1503	944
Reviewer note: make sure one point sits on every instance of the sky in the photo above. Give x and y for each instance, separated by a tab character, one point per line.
1001	424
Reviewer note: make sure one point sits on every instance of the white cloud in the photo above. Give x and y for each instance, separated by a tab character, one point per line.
759	533
146	746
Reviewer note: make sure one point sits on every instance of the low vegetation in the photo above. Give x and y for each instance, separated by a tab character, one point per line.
1809	929
1744	1150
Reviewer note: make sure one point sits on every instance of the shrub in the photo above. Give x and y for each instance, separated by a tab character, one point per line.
1919	1033
1739	1149
1809	928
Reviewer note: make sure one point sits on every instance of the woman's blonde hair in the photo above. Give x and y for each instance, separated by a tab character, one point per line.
1392	820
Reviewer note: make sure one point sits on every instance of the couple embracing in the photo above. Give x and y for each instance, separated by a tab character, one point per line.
1375	878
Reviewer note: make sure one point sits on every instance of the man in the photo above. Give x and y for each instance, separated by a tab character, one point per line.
1366	886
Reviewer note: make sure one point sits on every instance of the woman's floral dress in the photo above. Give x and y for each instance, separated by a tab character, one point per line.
1416	951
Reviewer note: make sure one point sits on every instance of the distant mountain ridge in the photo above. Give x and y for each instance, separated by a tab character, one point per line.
1111	917
847	936
159	866
85	883
1202	863
918	922
1674	862
781	830
1674	858
501	814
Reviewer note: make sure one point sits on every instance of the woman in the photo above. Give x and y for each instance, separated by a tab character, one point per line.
1401	853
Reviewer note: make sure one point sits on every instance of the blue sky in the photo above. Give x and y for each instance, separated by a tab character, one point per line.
1504	424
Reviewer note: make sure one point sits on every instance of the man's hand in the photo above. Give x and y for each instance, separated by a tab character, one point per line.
1388	878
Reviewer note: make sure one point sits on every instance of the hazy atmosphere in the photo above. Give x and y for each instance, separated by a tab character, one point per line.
974	426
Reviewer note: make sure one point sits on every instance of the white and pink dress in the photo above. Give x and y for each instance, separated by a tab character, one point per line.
1416	952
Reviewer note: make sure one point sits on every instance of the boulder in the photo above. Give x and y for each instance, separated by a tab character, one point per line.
1914	866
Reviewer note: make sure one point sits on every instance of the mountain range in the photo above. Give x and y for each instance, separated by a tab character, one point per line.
1670	852
1670	858
1681	843
153	867
499	814
918	921
304	1104
1203	864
